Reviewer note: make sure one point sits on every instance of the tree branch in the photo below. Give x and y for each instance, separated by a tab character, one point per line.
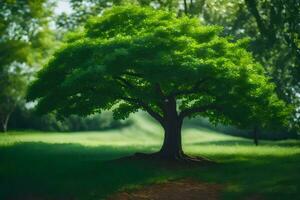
138	102
124	82
193	90
127	84
185	7
146	107
159	91
190	111
252	7
139	75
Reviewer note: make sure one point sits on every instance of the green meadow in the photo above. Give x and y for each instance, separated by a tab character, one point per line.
85	165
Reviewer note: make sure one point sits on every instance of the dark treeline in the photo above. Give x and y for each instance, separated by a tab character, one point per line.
231	130
24	119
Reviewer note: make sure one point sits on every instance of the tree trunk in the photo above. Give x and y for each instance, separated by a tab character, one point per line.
185	7
171	149
4	123
172	146
255	136
4	127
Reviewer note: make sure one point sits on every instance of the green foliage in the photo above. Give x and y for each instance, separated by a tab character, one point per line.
143	57
279	134
24	30
27	119
84	9
274	29
24	42
12	89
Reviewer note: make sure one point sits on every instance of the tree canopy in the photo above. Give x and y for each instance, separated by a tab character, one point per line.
133	52
133	58
272	26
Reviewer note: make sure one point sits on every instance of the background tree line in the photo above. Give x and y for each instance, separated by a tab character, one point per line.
30	31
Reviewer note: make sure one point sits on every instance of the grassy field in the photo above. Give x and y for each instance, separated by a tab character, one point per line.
81	165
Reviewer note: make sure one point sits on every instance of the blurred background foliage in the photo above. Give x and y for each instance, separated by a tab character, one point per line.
24	119
31	30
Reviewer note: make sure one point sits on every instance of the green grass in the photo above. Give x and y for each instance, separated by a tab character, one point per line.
81	165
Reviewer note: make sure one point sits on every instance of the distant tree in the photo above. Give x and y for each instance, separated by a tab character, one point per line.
267	119
23	36
134	58
12	89
277	45
26	118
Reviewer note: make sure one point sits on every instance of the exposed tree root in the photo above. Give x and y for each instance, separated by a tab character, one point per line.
180	158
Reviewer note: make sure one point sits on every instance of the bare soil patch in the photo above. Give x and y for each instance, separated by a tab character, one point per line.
175	190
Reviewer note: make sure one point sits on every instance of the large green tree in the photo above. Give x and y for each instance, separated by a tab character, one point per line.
134	58
271	24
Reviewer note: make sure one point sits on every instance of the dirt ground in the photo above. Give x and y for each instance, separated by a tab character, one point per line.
175	190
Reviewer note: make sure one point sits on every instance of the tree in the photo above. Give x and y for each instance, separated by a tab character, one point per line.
277	45
12	84
134	58
23	36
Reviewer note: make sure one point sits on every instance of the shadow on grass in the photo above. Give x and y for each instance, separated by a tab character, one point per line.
63	171
249	143
71	171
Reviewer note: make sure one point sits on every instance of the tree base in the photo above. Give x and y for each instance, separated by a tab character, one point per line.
179	158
